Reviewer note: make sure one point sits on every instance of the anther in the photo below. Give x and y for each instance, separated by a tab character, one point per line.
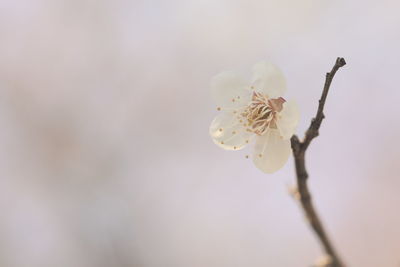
234	132
222	142
238	97
234	147
220	129
260	155
247	156
233	100
218	108
247	141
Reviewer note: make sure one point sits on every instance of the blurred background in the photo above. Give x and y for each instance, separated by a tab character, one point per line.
105	157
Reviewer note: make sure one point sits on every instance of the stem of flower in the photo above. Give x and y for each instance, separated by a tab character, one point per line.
299	149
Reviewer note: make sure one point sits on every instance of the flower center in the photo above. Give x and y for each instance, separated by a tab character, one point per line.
262	113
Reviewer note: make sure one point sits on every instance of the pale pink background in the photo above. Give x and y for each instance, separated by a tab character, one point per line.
105	157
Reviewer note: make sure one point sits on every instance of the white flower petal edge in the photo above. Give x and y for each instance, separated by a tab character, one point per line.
288	119
227	133
271	151
268	79
229	90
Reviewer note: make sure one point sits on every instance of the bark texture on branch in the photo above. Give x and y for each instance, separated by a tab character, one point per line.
299	149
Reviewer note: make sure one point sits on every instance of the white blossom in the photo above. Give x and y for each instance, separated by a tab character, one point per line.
255	112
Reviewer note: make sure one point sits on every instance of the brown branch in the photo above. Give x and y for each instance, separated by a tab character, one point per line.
299	149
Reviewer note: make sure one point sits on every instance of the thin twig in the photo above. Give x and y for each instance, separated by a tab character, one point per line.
299	149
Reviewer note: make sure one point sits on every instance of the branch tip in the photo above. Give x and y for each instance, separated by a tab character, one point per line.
341	61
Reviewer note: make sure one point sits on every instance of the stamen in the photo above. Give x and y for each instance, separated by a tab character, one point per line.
262	113
218	108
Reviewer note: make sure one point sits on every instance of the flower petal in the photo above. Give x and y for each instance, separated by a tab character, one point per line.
229	90
268	79
288	119
227	132
271	151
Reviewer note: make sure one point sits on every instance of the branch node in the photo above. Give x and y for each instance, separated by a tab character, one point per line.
295	143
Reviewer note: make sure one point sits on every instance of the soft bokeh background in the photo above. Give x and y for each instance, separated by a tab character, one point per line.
105	157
